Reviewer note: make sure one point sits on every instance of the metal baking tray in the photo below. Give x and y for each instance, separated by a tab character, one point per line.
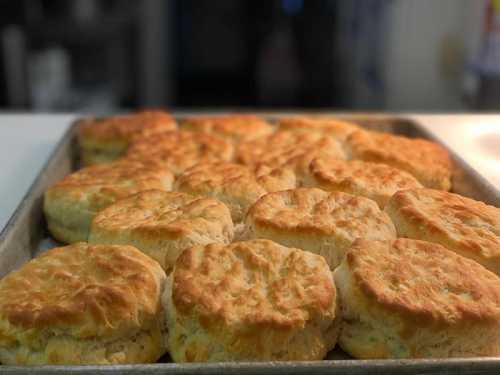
25	235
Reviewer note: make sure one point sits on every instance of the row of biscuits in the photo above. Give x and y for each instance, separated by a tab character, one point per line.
253	300
247	301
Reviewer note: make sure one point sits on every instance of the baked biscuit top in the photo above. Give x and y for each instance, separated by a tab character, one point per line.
179	150
235	178
233	127
80	290
372	180
166	213
100	185
310	210
429	162
336	128
424	282
469	224
256	283
125	127
285	148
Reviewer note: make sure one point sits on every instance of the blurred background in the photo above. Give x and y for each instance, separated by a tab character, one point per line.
105	55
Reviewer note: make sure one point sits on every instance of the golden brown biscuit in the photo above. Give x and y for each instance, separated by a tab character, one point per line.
250	301
321	222
179	150
339	129
71	204
371	180
237	186
105	139
428	162
415	299
465	226
288	149
162	224
233	127
83	304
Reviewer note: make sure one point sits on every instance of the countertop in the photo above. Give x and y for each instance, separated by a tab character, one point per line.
26	141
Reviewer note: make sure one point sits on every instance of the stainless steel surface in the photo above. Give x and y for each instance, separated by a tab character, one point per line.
25	235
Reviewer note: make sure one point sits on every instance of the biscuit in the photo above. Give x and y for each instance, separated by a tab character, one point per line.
71	204
237	186
465	226
324	223
415	299
371	180
428	162
162	224
83	304
105	139
250	301
179	150
339	129
233	127
288	149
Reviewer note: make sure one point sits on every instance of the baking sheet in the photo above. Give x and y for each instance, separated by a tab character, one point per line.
25	236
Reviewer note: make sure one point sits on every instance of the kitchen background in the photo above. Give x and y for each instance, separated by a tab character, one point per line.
105	55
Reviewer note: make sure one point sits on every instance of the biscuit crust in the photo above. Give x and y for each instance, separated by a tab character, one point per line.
237	186
162	224
465	226
371	180
339	129
428	162
288	149
252	301
71	204
105	139
324	223
83	304
179	150
232	127
415	299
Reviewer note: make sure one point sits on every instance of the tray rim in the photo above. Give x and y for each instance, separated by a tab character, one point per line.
404	366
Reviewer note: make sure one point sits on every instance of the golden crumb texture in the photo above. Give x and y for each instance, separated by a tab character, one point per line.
250	301
83	304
